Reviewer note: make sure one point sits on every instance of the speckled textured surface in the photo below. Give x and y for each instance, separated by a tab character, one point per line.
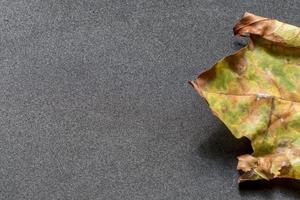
95	102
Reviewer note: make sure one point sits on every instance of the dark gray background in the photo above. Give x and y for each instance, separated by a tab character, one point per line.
95	103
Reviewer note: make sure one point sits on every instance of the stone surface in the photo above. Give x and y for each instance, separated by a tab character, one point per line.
95	102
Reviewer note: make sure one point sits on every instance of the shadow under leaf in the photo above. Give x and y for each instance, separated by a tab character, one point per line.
239	43
222	147
289	186
221	142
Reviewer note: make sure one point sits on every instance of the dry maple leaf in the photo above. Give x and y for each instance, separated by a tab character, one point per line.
256	93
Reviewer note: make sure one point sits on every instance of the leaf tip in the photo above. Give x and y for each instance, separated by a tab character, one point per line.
196	87
191	83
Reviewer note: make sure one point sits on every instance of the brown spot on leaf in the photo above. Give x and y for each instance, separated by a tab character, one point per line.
237	62
246	163
256	25
285	169
253	24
